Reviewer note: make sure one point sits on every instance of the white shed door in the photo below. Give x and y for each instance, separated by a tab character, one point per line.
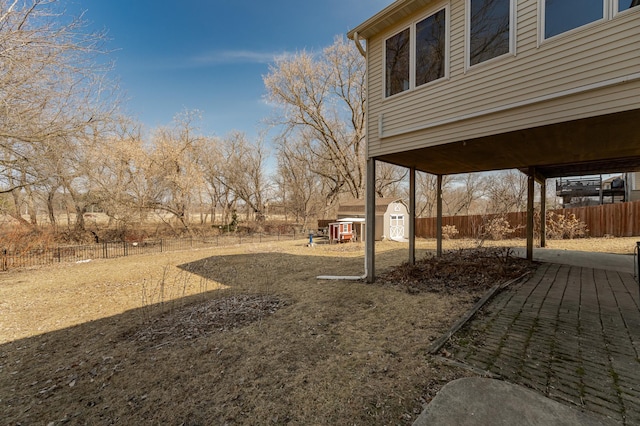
396	227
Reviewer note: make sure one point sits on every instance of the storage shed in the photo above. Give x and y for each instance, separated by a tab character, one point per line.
392	218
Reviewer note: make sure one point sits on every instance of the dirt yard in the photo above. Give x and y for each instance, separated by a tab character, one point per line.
238	335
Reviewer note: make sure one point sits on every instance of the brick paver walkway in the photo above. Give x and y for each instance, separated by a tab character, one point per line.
571	333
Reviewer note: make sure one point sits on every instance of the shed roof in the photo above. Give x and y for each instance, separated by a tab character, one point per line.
356	207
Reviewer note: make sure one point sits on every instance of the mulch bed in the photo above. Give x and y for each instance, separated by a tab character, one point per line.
465	269
208	317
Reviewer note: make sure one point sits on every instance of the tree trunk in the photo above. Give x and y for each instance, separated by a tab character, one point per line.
80	225
16	214
50	209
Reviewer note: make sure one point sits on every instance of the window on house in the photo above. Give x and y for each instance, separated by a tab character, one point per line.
397	54
627	4
489	29
431	48
564	15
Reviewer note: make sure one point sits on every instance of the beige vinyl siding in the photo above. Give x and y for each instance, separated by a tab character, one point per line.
457	43
615	99
600	52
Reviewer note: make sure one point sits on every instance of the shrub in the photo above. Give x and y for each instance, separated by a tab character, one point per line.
496	228
23	239
449	231
565	227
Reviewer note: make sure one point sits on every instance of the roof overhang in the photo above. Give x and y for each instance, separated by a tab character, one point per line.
388	17
352	219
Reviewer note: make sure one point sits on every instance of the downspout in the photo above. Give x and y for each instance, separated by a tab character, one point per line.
356	40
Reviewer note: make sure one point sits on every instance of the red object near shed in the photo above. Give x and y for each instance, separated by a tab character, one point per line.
340	232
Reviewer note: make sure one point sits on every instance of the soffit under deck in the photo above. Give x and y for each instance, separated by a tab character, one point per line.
603	144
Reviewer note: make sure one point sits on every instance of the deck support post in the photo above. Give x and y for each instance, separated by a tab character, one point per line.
530	193
543	213
370	219
412	216
439	218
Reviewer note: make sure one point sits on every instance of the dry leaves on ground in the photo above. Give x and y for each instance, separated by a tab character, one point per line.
470	269
204	318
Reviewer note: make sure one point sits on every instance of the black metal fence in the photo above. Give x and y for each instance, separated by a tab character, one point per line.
108	250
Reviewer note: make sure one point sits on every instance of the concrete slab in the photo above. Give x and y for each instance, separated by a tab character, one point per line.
479	401
608	261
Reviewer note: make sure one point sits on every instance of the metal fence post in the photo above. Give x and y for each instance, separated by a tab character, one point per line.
105	251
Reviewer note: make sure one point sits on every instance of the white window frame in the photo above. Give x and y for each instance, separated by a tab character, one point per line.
615	6
412	51
513	13
606	15
384	63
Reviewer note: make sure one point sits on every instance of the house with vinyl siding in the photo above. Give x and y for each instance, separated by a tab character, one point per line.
549	87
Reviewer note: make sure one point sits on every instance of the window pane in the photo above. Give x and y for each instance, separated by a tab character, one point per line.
627	4
397	54
430	48
489	29
565	15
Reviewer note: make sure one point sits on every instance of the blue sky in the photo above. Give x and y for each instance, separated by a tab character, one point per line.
211	55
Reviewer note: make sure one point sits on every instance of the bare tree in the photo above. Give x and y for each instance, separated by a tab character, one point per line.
321	104
244	172
54	98
212	163
299	187
389	179
506	191
426	193
464	193
172	167
51	84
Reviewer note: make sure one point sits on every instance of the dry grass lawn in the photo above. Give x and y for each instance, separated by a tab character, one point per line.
238	335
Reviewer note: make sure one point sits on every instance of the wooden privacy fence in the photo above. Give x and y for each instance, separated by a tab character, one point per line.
618	220
470	226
